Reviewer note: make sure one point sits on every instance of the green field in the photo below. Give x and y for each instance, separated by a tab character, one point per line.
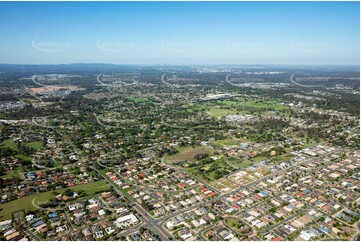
13	173
281	158
187	153
211	171
237	163
230	142
138	99
220	112
9	143
312	143
240	106
265	104
241	102
26	203
236	224
35	145
23	157
231	102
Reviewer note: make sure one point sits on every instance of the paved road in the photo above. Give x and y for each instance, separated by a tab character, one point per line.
284	221
32	235
68	220
200	232
151	189
224	223
156	224
130	231
356	237
163	219
151	222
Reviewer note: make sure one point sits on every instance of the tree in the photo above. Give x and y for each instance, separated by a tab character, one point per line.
142	230
68	193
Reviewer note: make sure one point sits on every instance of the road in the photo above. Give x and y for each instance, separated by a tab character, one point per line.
31	234
200	232
284	221
241	235
149	221
156	225
68	220
152	223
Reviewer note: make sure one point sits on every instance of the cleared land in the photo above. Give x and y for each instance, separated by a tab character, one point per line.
188	153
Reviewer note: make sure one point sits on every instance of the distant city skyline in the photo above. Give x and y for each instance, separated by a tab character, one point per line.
177	33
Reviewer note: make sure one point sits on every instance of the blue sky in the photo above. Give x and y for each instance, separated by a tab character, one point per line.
180	32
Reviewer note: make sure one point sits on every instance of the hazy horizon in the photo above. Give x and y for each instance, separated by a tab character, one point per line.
180	33
200	64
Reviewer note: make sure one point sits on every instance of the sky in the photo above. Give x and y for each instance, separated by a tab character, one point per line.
312	33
